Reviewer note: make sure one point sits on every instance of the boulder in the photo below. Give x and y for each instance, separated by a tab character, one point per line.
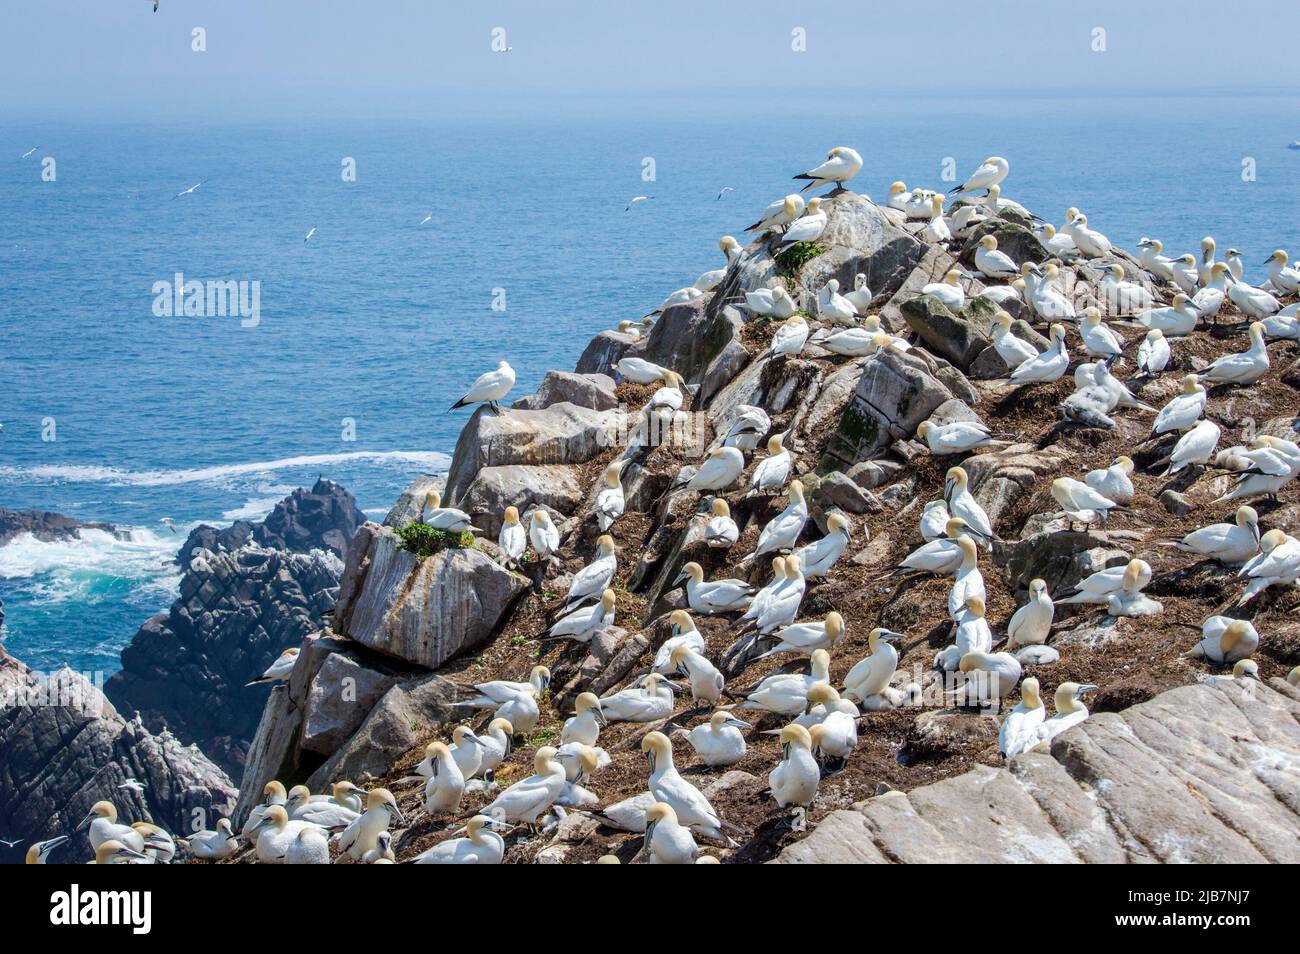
1001	478
958	338
860	239
1060	557
342	693
424	611
595	391
555	486
560	434
604	351
1014	240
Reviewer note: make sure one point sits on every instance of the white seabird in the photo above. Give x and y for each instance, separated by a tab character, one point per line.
716	596
991	172
1046	367
667	786
1225	640
1070	711
490	388
720	741
543	534
719	471
1019	729
721	530
783	530
841	165
279	670
808	227
1233	543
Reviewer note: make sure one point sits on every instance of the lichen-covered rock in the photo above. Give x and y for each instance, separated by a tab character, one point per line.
958	338
424	611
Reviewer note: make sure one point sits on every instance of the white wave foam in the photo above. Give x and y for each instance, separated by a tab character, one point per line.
88	473
90	566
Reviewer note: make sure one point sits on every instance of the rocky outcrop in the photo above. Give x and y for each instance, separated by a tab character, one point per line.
63	747
1199	774
247	593
423	611
45	526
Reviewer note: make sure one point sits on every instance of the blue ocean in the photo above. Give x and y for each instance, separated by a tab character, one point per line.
368	331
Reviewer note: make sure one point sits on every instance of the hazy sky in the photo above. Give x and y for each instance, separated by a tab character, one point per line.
395	57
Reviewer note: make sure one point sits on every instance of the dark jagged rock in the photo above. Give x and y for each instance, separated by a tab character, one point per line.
45	526
248	592
63	747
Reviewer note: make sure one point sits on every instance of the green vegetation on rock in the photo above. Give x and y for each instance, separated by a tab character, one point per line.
425	541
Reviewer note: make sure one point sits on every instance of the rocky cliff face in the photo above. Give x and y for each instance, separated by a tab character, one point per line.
64	747
248	592
850	424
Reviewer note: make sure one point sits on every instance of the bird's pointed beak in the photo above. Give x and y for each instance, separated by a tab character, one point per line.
737	723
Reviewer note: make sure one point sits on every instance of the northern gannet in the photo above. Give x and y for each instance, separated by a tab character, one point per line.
1183	410
1089	241
39	853
639	370
1236	265
1019	729
585	725
1278	564
516	702
1253	302
868	680
585	622
113	852
584	761
851	342
819	557
1097	587
528	799
720	470
593	579
783	530
212	845
772	302
782	606
992	263
667	842
1233	543
900	197
1056	243
717	596
467	751
949	291
1012	350
705	681
543	534
650	701
833	306
1070	711
838	720
860	297
991	172
1207	262
934	520
276	832
1031	623
748	427
1209	300
808	227
786	693
986	677
103	825
710	279
1196	446
610	501
158	844
495	745
941	555
970	635
761	598
325	814
962	503
435	515
720	741
667	786
956	437
789	338
841	165
512	539
781	212
490	388
1225	640
1283	276
482	846
1183	269
1046	367
936	230
1268	466
773	471
1113	482
684	633
1121	296
794	780
1152	259
363	834
683	296
310	846
1080	502
804	638
279	670
273	793
1153	353
1098	340
967	582
1242	669
1043	296
382	853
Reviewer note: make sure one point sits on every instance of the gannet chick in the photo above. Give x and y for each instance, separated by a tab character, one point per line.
789	338
310	846
446	785
1278	564
39	853
528	799
1098	340
1153	353
719	471
543	534
841	165
684	633
667	786
817	558
991	172
949	291
783	530
650	701
1031	623
610	501
102	821
808	227
489	388
1231	543
1048	366
721	530
666	841
860	297
794	780
1195	447
705	681
718	596
1012	350
1246	367
720	741
639	370
833	306
781	212
1225	640
363	834
994	264
1080	502
584	727
786	693
1184	410
1113	482
585	622
773	471
957	437
113	852
382	853
1097	587
934	520
1070	711
868	680
512	539
1019	730
279	670
803	638
483	846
